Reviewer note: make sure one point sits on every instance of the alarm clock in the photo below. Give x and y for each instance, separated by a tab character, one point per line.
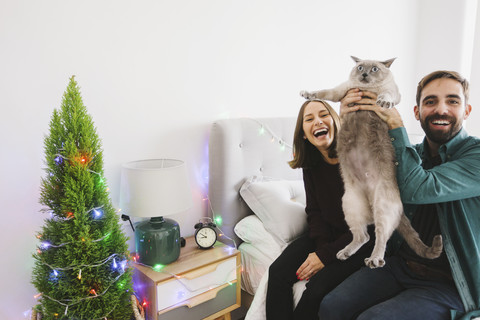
205	234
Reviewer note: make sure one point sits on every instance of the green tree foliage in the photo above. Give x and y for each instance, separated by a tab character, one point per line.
80	265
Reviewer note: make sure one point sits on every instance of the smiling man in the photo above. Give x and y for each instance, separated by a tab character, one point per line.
439	182
441	108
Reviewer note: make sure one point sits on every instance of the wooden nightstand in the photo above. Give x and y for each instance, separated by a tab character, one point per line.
201	284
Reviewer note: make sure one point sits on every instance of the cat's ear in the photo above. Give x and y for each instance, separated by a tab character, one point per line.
389	62
356	59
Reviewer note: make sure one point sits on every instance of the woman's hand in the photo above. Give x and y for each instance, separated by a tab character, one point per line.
356	100
311	266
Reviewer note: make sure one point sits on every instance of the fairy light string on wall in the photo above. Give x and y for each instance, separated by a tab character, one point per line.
264	131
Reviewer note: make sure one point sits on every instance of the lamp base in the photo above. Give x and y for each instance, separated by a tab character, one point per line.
157	241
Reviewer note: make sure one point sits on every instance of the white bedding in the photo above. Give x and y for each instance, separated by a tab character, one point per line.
257	252
254	264
257	308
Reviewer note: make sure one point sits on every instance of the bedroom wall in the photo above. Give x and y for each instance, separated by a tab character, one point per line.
155	74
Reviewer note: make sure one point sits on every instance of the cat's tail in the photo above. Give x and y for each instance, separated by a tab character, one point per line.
413	240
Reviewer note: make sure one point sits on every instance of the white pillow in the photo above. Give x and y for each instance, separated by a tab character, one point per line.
279	204
251	230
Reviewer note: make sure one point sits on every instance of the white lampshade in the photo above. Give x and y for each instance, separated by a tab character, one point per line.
154	188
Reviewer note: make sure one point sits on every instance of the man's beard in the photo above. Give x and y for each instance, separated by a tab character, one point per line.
440	137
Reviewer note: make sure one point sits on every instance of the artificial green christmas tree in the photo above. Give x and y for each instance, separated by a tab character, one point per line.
81	262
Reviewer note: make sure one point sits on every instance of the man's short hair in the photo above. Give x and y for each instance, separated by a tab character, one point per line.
443	74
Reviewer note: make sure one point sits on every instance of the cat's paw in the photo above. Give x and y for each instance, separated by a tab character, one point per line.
385	101
343	254
374	262
307	95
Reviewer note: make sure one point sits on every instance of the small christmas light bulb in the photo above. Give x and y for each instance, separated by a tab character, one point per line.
261	131
115	263
180	295
123	264
45	245
97	213
79	277
158	267
218	220
92	291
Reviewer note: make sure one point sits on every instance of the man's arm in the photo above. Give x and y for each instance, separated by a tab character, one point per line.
457	178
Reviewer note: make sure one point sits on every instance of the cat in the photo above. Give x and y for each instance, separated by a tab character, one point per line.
367	166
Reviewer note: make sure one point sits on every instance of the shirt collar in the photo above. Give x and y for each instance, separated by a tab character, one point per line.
447	149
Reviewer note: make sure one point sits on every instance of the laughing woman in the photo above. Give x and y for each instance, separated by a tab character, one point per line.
313	256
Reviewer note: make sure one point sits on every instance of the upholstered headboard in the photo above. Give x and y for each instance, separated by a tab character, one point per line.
240	148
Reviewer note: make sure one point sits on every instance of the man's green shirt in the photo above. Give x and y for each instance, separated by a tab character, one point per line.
454	186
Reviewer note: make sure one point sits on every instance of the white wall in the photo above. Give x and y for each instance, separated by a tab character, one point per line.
155	74
473	122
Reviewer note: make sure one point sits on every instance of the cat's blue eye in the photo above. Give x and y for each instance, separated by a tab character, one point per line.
360	68
374	69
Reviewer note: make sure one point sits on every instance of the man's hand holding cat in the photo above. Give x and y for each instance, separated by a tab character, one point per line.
356	99
310	267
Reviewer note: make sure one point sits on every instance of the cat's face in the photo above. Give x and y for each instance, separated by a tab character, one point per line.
370	73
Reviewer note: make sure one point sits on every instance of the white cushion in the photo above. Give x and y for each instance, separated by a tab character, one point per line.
251	230
279	204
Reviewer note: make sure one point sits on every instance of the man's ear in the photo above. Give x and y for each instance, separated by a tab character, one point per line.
468	109
416	111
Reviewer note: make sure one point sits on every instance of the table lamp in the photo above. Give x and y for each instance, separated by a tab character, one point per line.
153	189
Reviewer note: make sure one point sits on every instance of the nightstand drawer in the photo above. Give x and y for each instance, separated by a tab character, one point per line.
186	286
224	298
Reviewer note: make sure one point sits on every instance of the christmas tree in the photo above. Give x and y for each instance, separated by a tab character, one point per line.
81	262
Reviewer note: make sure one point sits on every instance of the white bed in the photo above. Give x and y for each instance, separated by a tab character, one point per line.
258	197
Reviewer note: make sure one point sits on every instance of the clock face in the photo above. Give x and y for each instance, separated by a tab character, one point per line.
205	237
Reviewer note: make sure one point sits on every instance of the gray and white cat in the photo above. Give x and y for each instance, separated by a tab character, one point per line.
367	159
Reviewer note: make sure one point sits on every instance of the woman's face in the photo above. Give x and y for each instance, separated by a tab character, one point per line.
318	126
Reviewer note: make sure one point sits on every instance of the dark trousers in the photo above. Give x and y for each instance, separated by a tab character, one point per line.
282	276
393	292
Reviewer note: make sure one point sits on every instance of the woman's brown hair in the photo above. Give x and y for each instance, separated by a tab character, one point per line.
304	153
